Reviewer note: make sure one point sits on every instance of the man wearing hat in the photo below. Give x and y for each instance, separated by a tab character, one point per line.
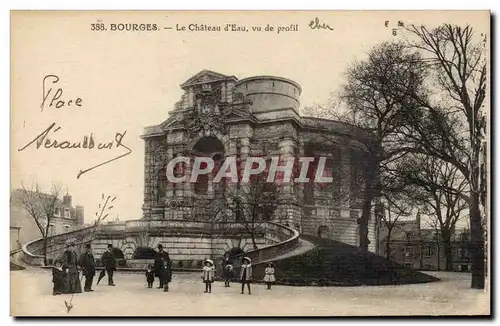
109	262
161	264
87	263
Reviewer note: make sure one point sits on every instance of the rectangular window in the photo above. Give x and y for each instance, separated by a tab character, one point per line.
409	250
52	229
66	213
57	212
429	251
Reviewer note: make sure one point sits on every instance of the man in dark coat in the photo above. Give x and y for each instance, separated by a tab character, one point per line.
87	263
162	260
109	262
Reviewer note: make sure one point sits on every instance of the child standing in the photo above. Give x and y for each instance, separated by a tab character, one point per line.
228	273
246	274
58	276
269	278
208	275
150	276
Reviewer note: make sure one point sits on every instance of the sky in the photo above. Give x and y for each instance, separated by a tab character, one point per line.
130	80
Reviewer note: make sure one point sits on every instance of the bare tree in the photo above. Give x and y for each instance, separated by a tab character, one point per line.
376	97
393	211
254	203
454	112
42	208
438	186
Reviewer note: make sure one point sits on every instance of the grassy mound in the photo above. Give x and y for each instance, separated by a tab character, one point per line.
334	263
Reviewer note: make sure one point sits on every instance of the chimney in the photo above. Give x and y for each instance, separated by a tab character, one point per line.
67	201
79	218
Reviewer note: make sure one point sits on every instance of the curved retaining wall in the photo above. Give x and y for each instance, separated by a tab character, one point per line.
33	250
289	240
187	242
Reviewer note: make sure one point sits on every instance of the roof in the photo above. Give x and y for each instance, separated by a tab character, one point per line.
16	197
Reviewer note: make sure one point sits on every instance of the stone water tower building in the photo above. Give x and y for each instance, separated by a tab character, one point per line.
222	116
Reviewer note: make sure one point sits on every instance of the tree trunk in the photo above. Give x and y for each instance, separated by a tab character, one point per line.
388	245
254	243
438	247
448	255
368	196
477	243
363	222
45	241
422	248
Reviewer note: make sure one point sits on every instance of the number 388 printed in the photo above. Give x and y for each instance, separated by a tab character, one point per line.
98	27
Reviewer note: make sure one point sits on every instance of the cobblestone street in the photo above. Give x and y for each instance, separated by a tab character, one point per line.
31	295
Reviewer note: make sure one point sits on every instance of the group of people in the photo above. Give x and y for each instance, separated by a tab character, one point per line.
162	268
227	272
66	272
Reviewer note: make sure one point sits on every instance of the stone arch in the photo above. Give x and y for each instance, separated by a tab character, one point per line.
233	252
212	147
323	232
144	253
118	253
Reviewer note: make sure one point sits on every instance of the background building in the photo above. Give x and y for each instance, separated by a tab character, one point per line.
23	227
418	248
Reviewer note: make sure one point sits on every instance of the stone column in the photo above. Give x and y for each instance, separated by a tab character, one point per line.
345	179
244	152
286	148
148	186
169	194
190	97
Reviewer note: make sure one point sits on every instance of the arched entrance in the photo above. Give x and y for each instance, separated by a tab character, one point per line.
144	253
232	253
208	147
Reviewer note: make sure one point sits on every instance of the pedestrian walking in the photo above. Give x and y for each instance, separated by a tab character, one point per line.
109	261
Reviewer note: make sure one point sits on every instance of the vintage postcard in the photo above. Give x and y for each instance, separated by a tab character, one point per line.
250	163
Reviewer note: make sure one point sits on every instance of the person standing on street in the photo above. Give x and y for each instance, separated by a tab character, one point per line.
109	262
87	263
70	266
246	274
162	260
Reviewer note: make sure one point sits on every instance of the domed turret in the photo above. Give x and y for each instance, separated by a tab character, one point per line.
269	93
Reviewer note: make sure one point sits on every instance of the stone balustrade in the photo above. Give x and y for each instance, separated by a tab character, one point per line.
189	242
288	240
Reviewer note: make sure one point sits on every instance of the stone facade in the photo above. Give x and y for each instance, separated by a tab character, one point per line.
222	117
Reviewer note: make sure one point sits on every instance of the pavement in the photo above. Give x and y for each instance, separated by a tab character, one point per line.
31	295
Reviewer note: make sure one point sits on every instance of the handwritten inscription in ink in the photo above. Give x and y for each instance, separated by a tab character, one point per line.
317	24
87	142
50	138
54	97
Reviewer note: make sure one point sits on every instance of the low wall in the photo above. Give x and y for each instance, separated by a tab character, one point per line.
32	252
189	243
289	240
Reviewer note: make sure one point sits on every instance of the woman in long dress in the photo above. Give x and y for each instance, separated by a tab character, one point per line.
70	266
